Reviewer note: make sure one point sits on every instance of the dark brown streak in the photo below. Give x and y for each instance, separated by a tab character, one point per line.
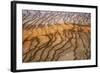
57	49
64	49
32	40
88	38
42	46
47	47
31	49
62	46
58	56
88	45
75	47
53	47
81	39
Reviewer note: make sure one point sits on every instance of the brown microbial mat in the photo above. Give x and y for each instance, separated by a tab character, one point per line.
55	36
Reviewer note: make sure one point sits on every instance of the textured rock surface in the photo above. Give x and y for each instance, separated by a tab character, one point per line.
56	36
